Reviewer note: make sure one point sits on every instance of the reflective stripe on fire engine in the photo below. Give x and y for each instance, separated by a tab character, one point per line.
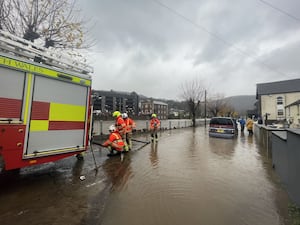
28	94
39	125
64	112
61	117
40	70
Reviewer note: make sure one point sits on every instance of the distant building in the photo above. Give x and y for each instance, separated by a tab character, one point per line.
150	106
176	113
279	101
106	102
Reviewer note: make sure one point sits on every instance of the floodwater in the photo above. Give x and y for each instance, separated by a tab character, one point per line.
186	177
190	178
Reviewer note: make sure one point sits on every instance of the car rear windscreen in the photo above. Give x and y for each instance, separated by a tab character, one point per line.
221	121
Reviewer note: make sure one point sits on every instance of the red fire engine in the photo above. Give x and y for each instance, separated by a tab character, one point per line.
44	104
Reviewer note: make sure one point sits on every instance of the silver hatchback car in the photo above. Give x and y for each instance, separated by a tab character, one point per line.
223	127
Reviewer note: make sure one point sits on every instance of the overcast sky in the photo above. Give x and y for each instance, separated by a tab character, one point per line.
153	46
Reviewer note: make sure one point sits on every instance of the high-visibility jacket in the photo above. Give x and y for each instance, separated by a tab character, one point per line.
249	124
115	140
130	124
154	123
120	125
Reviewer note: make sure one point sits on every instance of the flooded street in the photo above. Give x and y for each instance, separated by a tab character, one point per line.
189	178
185	178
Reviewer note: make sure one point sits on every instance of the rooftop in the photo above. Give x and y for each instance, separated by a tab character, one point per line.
285	86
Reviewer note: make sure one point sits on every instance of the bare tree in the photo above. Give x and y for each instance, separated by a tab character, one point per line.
5	9
193	92
218	106
56	23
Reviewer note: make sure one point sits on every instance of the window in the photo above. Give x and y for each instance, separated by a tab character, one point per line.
280	112
280	100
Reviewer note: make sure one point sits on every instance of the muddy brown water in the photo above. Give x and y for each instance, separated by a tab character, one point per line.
190	178
184	178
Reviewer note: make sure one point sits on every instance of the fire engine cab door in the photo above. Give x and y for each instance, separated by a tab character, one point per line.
58	116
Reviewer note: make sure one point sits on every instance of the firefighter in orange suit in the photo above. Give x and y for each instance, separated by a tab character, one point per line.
114	142
130	125
154	126
121	127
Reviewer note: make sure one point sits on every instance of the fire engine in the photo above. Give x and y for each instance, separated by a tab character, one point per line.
45	109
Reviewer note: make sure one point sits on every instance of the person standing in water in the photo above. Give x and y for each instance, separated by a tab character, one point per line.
154	126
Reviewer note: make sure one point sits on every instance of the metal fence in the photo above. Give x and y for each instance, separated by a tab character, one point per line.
101	127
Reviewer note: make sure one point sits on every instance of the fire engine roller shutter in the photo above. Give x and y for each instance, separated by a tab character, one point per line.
11	93
58	115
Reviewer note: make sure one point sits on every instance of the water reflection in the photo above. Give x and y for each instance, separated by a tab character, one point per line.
153	155
250	139
118	171
77	170
194	147
193	140
242	134
197	178
222	147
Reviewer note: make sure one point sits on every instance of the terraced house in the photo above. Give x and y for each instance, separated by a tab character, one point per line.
279	102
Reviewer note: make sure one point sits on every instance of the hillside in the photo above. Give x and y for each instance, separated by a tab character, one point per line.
242	103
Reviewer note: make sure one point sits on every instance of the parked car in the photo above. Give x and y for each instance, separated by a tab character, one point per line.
223	127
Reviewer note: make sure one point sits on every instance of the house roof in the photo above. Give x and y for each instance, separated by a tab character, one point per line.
159	103
278	87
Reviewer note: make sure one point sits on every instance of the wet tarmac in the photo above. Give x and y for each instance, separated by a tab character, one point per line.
186	177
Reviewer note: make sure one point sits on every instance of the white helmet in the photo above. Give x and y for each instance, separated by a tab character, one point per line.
124	115
112	128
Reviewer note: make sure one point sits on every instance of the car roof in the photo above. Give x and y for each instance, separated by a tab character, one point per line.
222	117
217	120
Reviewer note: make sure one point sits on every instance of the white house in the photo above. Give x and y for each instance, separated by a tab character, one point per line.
279	101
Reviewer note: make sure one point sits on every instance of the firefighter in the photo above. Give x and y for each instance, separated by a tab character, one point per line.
130	125
114	141
121	127
154	126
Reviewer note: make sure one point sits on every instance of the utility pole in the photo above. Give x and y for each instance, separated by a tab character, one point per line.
205	102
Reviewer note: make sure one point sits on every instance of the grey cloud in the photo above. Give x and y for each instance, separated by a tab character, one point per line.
223	41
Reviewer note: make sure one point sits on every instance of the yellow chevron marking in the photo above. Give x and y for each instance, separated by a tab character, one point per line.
65	112
39	125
